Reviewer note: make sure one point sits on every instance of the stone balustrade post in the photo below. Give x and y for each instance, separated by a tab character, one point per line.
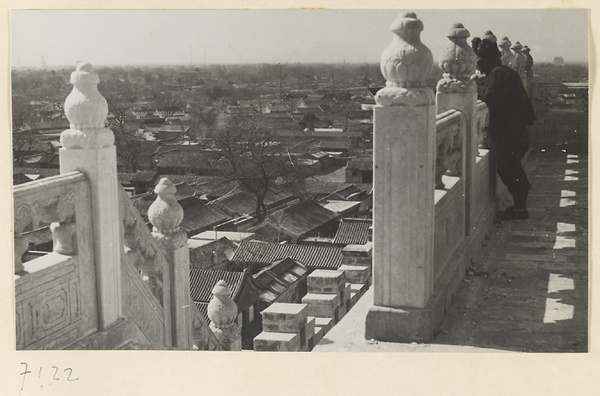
508	57
519	65
456	90
404	156
89	147
223	313
166	215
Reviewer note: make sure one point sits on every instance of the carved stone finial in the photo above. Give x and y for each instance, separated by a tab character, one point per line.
406	64
166	215
457	61
222	312
488	35
508	58
87	110
520	58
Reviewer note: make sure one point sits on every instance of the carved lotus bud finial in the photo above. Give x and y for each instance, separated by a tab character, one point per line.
222	312
488	35
166	215
508	58
87	110
504	43
85	107
405	63
458	59
517	47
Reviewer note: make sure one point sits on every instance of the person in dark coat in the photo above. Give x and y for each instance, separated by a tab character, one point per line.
528	61
510	115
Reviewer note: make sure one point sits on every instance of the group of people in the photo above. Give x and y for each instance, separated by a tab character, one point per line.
511	113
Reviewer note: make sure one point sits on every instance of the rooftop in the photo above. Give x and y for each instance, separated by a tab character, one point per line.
353	232
264	254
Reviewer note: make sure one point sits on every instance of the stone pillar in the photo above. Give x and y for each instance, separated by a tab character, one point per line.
404	156
456	90
223	313
166	215
89	147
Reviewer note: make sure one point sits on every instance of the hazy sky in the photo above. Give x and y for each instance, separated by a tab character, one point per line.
121	37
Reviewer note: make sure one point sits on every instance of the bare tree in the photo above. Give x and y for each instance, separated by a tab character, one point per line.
254	159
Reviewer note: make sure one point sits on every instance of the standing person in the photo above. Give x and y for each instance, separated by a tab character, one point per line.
510	115
528	60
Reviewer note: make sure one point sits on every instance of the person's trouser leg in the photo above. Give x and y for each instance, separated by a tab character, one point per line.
508	155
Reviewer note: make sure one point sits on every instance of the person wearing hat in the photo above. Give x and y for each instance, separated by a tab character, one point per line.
510	115
528	60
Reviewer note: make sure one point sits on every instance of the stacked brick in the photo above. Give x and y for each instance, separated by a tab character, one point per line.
286	328
357	266
328	298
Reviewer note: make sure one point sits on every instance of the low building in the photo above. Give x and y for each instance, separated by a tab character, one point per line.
283	281
198	217
211	254
244	293
296	222
354	232
359	171
257	255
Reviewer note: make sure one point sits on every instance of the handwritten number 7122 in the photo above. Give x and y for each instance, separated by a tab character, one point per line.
25	372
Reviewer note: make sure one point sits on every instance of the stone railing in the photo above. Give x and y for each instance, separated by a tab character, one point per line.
55	294
434	189
483	121
109	282
147	292
144	269
450	129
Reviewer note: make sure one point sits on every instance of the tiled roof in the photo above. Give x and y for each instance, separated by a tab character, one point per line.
275	279
39	236
43	172
353	232
301	219
203	308
125	177
312	256
197	216
238	203
142	203
144	176
316	186
360	164
203	281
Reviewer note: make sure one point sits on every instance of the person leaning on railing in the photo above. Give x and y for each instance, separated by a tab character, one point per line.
510	115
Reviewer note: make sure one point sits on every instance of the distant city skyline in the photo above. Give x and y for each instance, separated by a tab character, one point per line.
197	37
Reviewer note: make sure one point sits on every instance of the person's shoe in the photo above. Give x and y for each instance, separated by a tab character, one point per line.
512	213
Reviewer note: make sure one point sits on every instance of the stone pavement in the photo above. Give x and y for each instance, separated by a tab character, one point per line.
530	291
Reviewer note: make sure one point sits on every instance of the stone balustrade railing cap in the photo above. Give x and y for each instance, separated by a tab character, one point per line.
458	30
406	21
